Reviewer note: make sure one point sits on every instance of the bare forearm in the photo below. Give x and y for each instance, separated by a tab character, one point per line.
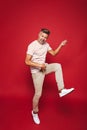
29	62
33	64
57	49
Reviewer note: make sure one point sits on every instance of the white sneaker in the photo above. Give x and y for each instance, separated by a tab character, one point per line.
65	92
35	118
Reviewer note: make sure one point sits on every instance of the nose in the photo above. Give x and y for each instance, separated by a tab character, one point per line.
44	38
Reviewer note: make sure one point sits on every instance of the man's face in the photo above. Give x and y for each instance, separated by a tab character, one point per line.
42	37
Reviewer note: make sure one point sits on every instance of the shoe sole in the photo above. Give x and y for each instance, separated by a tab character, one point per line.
67	93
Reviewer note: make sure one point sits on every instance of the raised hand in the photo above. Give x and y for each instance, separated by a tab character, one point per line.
63	43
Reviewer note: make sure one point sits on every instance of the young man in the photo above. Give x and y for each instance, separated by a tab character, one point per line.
35	58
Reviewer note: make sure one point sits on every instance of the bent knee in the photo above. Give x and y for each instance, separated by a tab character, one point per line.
58	66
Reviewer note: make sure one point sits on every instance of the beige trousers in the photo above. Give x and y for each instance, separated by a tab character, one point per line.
38	79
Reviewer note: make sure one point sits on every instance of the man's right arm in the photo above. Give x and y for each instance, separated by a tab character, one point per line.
33	64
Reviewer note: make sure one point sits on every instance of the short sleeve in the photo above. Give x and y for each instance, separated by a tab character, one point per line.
49	47
30	49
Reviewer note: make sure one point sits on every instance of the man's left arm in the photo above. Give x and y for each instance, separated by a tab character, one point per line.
56	51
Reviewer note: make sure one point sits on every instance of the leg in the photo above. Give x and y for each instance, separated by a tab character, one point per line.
38	79
55	67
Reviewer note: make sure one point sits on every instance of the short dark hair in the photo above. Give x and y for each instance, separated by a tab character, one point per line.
44	30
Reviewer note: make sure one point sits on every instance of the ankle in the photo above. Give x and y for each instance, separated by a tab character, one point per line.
34	112
60	90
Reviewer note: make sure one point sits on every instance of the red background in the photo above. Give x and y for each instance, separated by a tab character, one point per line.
20	22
